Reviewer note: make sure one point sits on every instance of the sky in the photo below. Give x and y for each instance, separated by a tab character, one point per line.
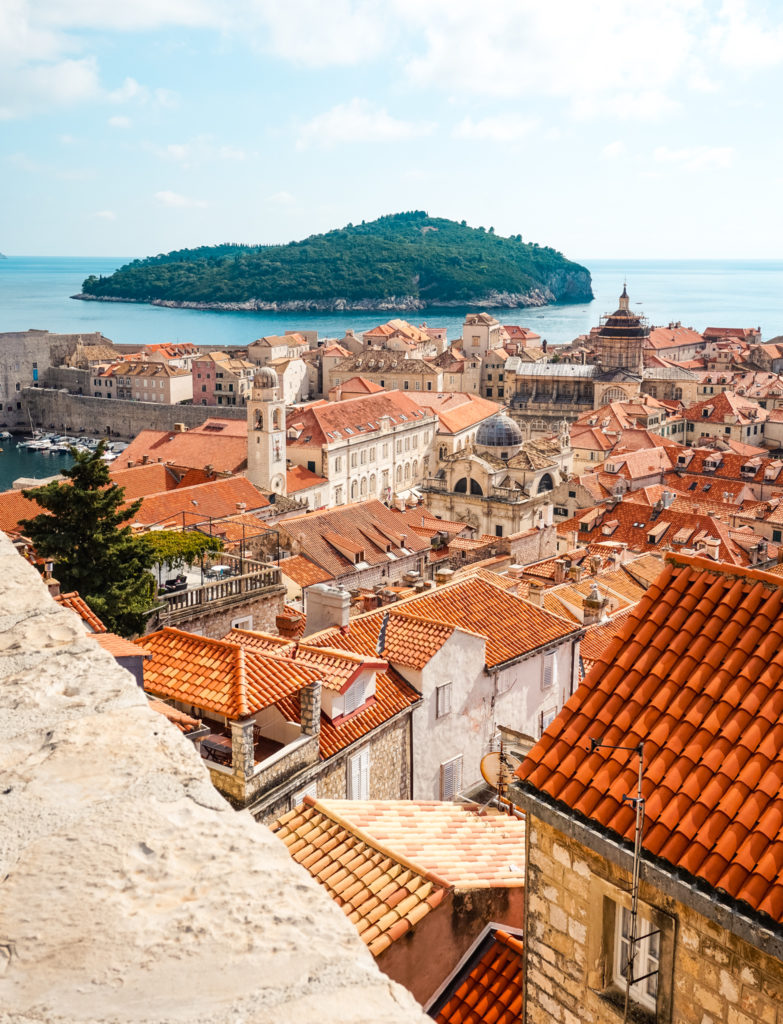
619	129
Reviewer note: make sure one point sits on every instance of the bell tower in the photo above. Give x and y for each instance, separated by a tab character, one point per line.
266	463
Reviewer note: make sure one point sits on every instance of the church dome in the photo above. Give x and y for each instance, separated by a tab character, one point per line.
266	378
499	432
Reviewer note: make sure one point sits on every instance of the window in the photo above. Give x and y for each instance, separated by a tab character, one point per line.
545	720
451	778
443	700
646	960
246	622
311	789
338	464
776	536
359	775
311	466
498	530
549	671
354	697
405	385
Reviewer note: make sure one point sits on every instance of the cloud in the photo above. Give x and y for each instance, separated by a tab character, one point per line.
119	121
695	158
167	198
198	150
358	121
499	128
613	150
281	198
105	215
743	42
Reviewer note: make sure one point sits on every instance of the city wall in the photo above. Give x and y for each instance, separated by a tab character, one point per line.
51	409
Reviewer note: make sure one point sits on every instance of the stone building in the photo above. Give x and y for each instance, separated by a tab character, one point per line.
221	379
687	693
500	484
115	845
479	657
391	370
286	718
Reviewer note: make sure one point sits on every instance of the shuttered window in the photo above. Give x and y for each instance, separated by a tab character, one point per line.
451	778
309	790
354	698
359	775
548	677
443	700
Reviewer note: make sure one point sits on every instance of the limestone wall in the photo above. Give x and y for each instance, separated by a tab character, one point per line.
707	974
79	414
129	889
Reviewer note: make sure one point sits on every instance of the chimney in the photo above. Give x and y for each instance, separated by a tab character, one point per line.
712	546
145	459
327	606
289	624
53	585
594	607
536	593
543	345
575	572
667	498
241	506
310	703
179	428
595	564
560	570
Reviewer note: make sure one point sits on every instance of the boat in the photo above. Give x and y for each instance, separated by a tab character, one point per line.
5	434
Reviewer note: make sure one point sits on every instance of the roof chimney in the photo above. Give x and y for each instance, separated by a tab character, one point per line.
326	606
560	570
594	606
535	593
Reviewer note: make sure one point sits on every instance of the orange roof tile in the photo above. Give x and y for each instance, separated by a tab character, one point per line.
383	895
458	410
303	572
488	989
119	647
299	479
323	423
461	843
178	718
696	673
196	504
218	675
79	605
221	444
13	508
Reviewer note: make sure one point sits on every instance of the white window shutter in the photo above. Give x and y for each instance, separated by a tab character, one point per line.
443	700
354	697
451	778
550	669
359	775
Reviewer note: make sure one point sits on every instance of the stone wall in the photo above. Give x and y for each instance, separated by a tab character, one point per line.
215	618
80	414
708	975
131	892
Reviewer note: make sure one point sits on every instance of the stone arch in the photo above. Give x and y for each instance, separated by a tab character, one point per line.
276	419
415	468
461	486
354	490
363	487
373	485
407	470
613	395
545	484
399	474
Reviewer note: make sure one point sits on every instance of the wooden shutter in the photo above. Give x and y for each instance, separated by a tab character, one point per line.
443	699
354	697
359	775
549	671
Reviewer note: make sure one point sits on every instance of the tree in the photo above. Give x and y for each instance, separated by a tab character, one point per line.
179	549
84	530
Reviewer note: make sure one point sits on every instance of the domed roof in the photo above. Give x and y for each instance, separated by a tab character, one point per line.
266	377
499	432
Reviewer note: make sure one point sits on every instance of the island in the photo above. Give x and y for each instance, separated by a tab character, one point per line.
404	261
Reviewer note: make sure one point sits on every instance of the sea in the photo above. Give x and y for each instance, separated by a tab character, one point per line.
35	292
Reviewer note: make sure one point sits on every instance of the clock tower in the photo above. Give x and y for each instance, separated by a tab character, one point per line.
266	461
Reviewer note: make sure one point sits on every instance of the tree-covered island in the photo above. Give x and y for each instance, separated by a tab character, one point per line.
405	261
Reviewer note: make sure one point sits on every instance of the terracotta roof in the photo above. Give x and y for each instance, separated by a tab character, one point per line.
466	847
79	605
179	719
212	500
384	896
221	444
672	337
143	480
303	572
323	423
696	673
411	640
119	647
218	675
13	508
725	408
359	385
597	638
511	627
488	990
299	479
457	410
367	530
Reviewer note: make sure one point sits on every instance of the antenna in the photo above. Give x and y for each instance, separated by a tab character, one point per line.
596	742
382	634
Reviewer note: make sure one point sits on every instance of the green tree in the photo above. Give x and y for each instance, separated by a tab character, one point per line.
84	530
179	549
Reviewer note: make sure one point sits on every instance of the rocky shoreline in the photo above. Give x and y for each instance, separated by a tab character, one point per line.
391	303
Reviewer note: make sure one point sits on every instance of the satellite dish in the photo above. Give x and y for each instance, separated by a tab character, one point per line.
498	768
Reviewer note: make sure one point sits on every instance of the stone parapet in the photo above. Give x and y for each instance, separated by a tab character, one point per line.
132	893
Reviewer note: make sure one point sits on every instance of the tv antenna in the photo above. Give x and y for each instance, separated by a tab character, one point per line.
498	768
637	802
